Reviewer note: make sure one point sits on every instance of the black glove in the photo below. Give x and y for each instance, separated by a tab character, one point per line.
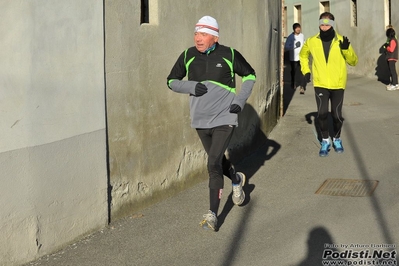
307	77
235	108
344	44
200	89
297	44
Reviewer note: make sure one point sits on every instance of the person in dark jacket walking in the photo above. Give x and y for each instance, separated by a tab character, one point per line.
391	48
293	45
214	105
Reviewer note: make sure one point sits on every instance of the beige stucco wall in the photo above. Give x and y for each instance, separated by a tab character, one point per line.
52	127
153	151
366	38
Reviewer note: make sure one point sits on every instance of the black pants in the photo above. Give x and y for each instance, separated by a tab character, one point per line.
297	78
392	69
215	142
323	97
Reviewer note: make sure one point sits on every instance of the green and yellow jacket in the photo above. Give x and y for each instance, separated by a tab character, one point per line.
331	74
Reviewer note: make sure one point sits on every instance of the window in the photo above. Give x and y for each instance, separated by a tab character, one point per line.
354	13
145	17
324	6
298	14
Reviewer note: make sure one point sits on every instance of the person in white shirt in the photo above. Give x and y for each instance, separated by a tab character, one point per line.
294	45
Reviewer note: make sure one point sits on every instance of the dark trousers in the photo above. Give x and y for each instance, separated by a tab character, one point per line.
297	78
392	69
323	97
215	142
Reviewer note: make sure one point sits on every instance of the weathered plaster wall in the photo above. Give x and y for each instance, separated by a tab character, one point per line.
366	38
153	151
52	127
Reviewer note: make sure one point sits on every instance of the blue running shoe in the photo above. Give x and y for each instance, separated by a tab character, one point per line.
337	144
325	147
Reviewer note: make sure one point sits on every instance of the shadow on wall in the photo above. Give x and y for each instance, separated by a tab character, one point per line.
288	84
382	69
248	137
250	156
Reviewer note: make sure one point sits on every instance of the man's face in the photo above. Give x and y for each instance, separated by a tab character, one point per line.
324	27
204	40
297	30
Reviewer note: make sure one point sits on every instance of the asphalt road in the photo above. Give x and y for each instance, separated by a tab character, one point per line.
283	221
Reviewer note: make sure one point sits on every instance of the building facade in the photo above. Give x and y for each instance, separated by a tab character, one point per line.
363	21
90	131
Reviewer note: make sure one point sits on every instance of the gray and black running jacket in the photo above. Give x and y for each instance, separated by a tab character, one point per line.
215	69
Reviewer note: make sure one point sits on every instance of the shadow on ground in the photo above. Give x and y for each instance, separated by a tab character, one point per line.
250	157
311	118
318	241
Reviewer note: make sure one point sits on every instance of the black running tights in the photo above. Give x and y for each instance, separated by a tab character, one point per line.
323	97
392	70
215	142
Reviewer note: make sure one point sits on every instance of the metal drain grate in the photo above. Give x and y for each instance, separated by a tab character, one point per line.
348	187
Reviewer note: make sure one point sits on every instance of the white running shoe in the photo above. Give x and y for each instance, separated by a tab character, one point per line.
393	87
210	221
238	193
